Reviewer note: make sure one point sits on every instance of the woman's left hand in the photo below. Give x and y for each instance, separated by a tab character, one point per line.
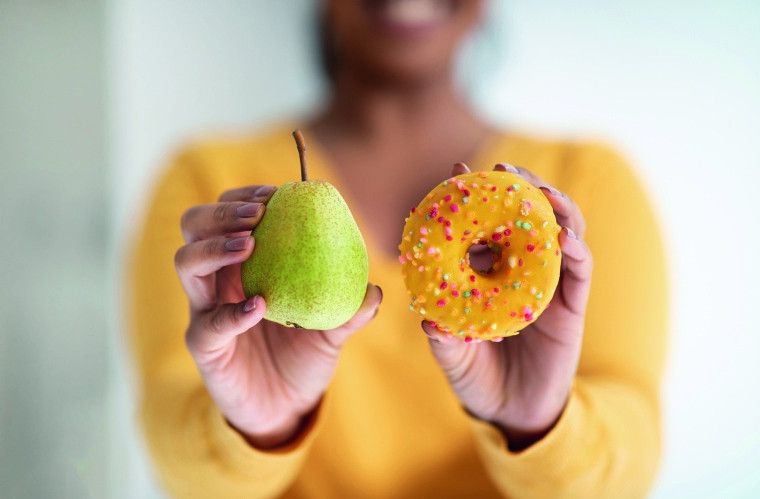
522	383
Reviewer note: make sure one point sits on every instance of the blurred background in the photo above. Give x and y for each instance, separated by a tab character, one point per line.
95	95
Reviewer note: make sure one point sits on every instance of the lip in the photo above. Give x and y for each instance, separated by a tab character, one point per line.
410	18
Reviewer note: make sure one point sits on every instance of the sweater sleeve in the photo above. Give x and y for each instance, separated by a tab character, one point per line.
195	452
607	441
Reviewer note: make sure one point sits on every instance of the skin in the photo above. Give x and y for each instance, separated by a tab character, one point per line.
394	114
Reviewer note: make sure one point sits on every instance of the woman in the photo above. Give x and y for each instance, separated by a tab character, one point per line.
245	407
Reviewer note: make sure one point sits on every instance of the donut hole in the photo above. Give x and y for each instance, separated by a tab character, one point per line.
483	256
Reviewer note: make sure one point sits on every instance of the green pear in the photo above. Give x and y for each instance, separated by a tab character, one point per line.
309	261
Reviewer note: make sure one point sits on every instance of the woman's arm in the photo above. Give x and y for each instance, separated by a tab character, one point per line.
195	451
607	440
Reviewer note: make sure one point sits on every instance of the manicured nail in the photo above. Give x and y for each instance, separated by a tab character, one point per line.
249	210
571	234
236	243
551	190
250	304
509	168
264	190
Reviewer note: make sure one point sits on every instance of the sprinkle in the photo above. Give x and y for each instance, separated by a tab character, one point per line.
493	189
516	187
419	245
440	219
423	240
421	268
496	236
411	306
466	192
441	303
530	248
528	317
467	232
455	293
445	183
485	199
423	230
496	291
520	262
445	277
476	292
447	198
510	189
401	259
422	311
447	231
512	262
472	278
544	264
466	294
500	228
494	326
444	285
431	251
526	225
468	340
548	245
513	314
466	310
449	238
546	222
427	217
516	284
460	332
482	174
519	223
447	223
454	207
414	208
507	232
539	295
465	199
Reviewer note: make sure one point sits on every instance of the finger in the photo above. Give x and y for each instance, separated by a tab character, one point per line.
567	212
217	219
214	330
197	261
249	193
438	336
577	266
373	297
459	169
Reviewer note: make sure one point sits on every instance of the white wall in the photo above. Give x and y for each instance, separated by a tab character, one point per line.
53	327
674	84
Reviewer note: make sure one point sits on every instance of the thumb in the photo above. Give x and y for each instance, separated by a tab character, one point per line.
367	311
450	352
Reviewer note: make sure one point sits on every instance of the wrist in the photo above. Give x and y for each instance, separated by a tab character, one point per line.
272	436
521	429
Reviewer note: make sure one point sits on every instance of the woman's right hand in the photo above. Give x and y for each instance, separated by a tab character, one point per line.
264	377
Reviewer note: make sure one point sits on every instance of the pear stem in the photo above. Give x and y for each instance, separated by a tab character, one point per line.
301	145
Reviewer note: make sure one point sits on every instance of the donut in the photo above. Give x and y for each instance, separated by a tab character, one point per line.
497	210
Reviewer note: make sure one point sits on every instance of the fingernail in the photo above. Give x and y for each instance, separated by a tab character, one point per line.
551	190
571	234
509	168
249	210
250	304
236	243
381	292
264	190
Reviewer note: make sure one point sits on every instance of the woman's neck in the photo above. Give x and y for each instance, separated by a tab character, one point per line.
361	112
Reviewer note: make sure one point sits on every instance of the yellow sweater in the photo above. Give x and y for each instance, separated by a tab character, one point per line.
389	425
